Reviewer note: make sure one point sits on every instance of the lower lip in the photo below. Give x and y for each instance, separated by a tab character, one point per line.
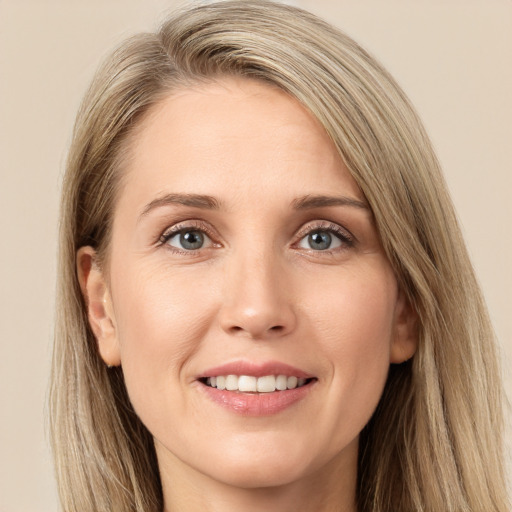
257	404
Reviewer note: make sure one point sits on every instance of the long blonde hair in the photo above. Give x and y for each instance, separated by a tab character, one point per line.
434	442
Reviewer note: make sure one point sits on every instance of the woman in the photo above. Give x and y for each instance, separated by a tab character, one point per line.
265	300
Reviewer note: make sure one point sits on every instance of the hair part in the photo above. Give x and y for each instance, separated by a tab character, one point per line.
434	442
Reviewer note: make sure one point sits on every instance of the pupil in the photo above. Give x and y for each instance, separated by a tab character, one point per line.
320	240
191	239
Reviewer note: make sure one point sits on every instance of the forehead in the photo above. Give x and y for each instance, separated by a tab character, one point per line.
234	137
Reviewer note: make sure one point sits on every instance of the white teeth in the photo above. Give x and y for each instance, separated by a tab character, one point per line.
281	382
246	383
221	382
291	382
232	383
251	384
266	384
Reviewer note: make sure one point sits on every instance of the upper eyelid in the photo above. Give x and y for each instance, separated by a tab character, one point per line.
326	225
187	224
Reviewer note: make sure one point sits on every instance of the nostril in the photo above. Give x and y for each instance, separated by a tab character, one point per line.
276	329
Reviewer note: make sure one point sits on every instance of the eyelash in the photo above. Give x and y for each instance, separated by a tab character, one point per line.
192	225
347	239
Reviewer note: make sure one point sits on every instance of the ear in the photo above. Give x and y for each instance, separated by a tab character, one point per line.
405	341
99	305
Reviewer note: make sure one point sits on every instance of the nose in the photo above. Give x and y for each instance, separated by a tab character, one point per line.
257	299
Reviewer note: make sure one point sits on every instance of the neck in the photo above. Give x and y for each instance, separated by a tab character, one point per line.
329	489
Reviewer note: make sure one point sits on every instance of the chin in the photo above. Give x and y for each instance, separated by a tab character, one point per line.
248	475
262	464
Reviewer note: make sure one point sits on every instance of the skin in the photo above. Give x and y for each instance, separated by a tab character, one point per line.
257	291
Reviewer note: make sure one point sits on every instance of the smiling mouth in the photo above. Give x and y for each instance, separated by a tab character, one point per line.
252	384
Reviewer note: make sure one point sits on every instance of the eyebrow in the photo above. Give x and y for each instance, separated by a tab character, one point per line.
210	203
319	201
193	200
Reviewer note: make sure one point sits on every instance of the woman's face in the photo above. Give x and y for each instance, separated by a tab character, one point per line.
242	246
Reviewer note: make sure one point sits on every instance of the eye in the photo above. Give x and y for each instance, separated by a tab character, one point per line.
320	240
187	239
326	238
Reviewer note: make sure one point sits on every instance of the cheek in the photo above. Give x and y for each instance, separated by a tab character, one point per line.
353	323
353	311
161	317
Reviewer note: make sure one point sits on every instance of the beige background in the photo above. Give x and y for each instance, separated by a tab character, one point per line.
453	58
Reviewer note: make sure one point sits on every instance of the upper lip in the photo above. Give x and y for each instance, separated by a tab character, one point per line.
241	367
